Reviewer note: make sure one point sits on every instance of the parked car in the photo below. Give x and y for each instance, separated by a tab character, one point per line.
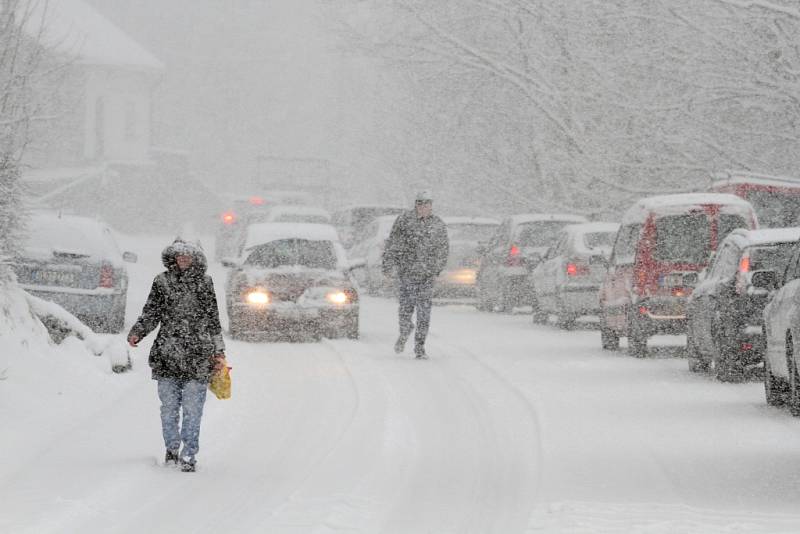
352	222
776	199
76	263
461	272
292	278
567	281
516	247
369	254
301	214
725	311
662	245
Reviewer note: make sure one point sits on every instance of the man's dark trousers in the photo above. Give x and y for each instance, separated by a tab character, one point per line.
415	294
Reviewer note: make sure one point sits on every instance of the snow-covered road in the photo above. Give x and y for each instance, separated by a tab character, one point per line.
509	427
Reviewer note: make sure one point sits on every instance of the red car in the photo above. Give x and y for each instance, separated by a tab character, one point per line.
662	245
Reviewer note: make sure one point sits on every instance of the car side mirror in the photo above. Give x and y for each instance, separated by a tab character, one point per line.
130	257
230	263
767	280
359	263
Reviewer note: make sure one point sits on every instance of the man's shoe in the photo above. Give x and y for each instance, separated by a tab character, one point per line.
188	465
420	352
400	344
171	458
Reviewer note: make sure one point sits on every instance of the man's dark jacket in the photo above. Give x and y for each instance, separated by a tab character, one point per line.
184	304
417	247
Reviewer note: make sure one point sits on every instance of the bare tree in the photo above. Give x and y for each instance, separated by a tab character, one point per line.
24	73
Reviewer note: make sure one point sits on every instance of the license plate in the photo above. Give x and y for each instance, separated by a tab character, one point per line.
54	278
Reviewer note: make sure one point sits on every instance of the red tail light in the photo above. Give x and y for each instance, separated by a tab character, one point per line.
577	269
256	201
228	217
744	264
514	258
106	276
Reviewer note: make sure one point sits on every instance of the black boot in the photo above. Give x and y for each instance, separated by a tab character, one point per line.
171	458
188	465
419	350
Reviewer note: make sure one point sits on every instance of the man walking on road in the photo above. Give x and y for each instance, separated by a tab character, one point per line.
416	252
187	349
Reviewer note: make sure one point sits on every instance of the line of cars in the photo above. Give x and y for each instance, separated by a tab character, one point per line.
695	264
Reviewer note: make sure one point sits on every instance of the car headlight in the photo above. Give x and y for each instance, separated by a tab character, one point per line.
337	297
257	297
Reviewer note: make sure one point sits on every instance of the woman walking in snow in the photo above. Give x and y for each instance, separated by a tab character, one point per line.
187	349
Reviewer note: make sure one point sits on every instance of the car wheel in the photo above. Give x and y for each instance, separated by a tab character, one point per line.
609	339
637	340
774	387
539	316
727	367
351	332
794	378
697	363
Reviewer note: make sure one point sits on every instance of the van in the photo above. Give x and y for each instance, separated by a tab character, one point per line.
662	245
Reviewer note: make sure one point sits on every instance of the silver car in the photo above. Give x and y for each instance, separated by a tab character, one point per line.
76	263
567	281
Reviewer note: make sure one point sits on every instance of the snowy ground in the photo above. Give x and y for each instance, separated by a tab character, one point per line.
509	427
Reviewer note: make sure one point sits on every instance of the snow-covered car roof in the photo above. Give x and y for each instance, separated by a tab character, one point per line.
593	228
766	236
69	234
734	177
523	218
470	220
260	233
302	211
680	203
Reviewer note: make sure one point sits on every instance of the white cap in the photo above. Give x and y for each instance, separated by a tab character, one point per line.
423	195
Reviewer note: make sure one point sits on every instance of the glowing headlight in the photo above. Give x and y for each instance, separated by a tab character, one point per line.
337	297
462	276
257	297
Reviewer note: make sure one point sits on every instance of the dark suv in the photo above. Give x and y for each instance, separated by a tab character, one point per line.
724	313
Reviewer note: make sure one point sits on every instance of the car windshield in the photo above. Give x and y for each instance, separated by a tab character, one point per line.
599	239
771	257
683	238
470	232
775	209
292	252
539	234
301	218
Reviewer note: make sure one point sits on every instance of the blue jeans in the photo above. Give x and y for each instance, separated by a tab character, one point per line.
191	396
415	295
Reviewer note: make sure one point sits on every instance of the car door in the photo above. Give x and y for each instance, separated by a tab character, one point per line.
712	296
490	262
780	314
617	285
541	284
550	271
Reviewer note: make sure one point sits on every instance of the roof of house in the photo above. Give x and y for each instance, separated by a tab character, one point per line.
74	28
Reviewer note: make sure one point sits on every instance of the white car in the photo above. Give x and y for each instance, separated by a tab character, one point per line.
369	253
782	332
298	214
292	279
567	280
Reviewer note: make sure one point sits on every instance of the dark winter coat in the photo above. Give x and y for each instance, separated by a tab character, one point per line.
417	248
183	303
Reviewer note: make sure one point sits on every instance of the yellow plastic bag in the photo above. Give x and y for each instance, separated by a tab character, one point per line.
221	382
